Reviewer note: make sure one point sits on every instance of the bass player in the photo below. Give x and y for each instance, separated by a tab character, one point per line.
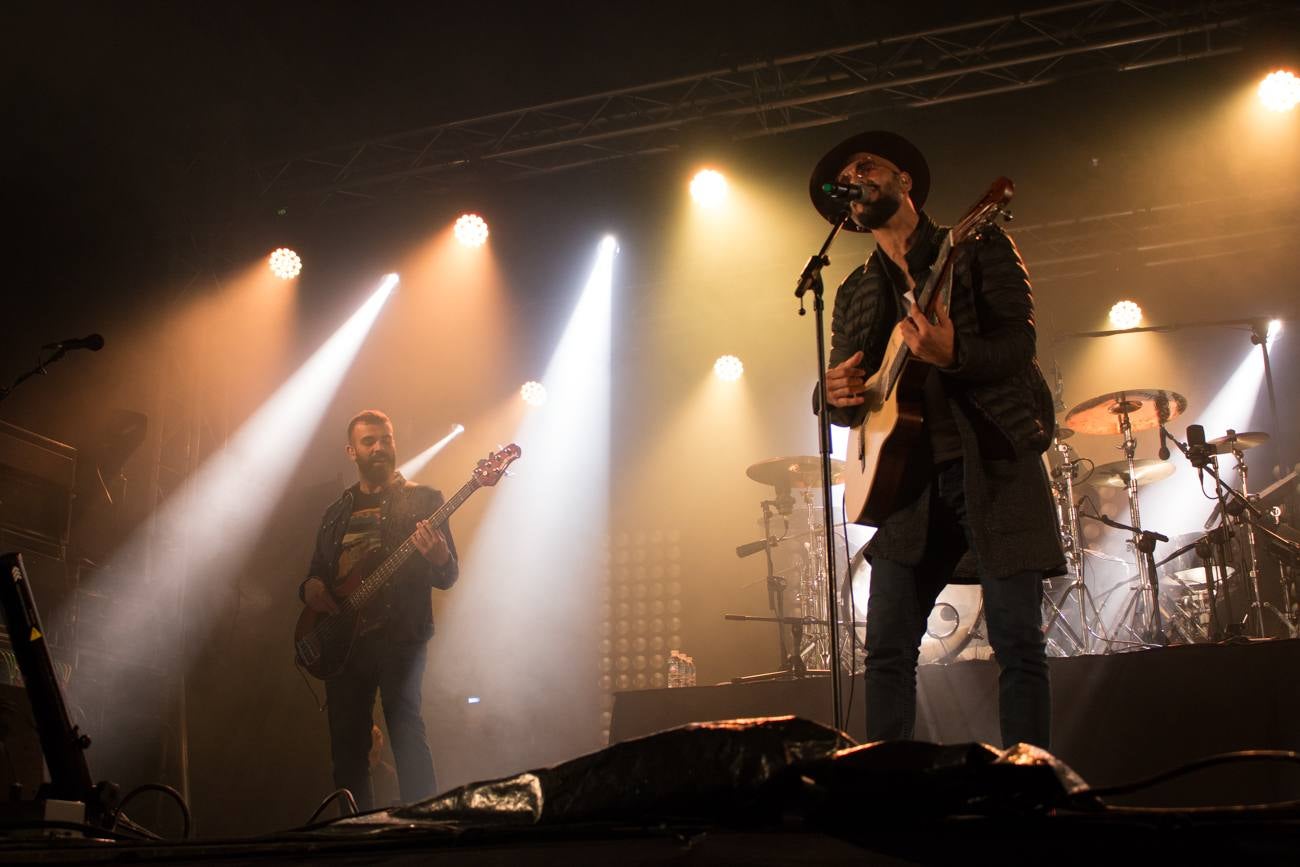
369	521
976	503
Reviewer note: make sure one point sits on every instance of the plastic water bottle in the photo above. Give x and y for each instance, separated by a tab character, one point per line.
675	669
689	679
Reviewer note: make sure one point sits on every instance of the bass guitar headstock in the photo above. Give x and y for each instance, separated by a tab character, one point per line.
490	470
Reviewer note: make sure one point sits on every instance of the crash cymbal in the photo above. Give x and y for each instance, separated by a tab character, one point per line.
796	472
1146	408
1147	470
1239	441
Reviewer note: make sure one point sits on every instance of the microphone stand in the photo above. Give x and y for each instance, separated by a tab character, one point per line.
810	280
39	368
1204	459
1145	543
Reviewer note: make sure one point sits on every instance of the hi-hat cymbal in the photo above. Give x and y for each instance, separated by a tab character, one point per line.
1146	471
1238	441
1062	433
796	472
1146	408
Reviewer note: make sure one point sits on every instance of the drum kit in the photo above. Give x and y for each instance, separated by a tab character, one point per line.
1191	595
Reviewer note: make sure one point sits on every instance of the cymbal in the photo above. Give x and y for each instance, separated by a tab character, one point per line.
1193	578
1241	441
797	472
1146	407
1147	470
1062	433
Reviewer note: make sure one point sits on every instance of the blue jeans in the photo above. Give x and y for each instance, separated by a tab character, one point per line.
899	606
395	669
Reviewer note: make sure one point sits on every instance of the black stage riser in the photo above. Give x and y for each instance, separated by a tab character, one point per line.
1114	718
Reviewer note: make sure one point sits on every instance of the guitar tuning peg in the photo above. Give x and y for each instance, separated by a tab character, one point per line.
1007	216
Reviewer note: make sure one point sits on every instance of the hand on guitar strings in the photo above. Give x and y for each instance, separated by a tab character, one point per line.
431	544
318	597
845	382
929	342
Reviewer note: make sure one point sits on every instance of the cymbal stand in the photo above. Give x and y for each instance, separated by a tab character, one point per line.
1204	459
1252	558
1067	511
1140	541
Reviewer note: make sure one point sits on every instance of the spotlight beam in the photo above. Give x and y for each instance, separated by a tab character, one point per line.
420	461
225	504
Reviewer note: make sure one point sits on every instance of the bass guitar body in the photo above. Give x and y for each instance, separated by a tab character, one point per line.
323	642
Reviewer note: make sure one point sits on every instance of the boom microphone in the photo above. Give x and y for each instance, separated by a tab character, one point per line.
93	342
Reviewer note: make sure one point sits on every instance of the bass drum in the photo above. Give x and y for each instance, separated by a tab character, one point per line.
955	630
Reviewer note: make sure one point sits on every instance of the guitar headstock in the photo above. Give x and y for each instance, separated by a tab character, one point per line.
985	211
490	470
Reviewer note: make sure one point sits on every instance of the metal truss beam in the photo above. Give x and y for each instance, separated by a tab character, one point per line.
930	67
1167	234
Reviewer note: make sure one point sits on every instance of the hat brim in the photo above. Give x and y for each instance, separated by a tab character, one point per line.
889	145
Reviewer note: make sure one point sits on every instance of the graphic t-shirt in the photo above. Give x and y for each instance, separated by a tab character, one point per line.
362	536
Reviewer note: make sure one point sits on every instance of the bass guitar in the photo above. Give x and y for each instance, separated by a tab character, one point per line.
879	447
322	643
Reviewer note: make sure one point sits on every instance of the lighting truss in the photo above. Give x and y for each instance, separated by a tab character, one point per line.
1166	233
943	64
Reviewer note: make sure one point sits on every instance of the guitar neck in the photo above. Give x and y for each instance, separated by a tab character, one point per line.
395	560
923	300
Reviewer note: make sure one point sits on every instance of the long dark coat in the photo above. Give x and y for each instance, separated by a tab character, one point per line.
1000	402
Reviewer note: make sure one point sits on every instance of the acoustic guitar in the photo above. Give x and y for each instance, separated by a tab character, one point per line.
879	447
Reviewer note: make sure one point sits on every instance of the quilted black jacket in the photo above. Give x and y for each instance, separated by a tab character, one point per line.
1000	401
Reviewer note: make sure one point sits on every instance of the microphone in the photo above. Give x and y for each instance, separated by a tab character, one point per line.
1164	444
852	192
754	547
93	342
1198	451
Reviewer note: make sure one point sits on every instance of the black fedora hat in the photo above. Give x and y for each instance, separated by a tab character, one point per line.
889	145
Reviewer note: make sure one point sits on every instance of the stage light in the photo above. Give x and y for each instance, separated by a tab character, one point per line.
420	461
471	230
533	393
285	263
728	368
1279	91
1125	314
709	188
1274	330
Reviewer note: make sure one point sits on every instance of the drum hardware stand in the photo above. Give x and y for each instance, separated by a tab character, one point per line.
1144	541
1203	457
792	665
1068	519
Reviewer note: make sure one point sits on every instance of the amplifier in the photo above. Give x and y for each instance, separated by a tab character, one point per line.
37	476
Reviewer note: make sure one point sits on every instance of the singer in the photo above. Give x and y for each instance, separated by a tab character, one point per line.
979	506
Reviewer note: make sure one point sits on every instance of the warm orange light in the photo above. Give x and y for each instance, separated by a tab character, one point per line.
471	230
1280	91
709	188
1125	314
285	263
728	368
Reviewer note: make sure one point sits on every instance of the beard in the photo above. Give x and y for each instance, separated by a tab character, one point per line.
376	469
877	212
